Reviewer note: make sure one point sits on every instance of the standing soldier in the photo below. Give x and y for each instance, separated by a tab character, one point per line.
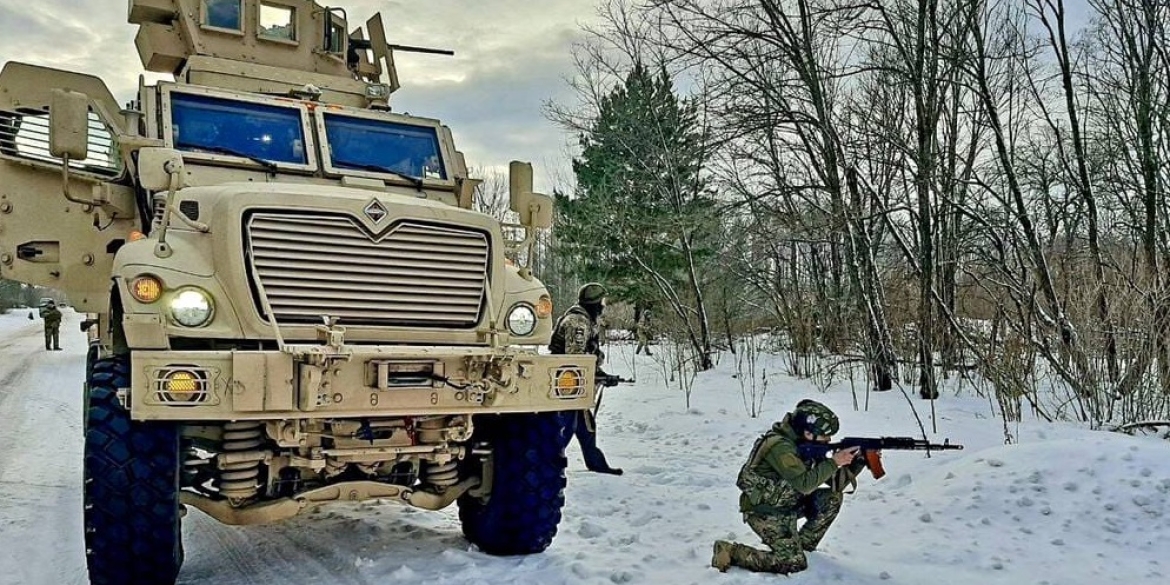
578	332
779	487
642	333
52	316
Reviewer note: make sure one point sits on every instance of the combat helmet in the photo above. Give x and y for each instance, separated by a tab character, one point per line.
814	417
590	294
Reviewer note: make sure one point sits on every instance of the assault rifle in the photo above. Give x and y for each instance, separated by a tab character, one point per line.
604	381
610	380
871	449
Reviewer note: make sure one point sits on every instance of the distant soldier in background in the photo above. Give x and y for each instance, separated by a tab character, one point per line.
642	333
52	316
779	488
578	332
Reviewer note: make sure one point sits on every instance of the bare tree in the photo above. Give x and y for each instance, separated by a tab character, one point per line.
778	70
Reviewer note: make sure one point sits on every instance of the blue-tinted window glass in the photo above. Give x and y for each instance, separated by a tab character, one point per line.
365	144
272	133
224	14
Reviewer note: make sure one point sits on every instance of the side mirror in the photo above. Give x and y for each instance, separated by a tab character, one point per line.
156	165
535	209
69	125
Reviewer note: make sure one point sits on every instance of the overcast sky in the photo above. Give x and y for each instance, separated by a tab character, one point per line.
510	57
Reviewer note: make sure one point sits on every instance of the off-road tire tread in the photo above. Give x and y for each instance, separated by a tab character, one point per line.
522	513
131	513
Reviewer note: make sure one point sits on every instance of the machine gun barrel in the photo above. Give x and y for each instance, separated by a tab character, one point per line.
413	49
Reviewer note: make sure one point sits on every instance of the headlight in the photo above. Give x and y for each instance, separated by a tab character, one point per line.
191	307
521	320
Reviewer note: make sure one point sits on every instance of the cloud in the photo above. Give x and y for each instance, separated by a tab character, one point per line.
511	57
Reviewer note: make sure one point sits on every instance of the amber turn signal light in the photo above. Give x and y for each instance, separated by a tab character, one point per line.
146	289
544	307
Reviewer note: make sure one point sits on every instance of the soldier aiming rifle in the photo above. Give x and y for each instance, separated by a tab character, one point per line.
794	472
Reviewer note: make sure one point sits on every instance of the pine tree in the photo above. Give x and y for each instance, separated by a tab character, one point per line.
642	217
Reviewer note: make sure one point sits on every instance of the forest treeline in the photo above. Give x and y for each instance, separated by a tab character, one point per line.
928	188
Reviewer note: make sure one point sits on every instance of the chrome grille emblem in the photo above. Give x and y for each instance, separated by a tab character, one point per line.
376	211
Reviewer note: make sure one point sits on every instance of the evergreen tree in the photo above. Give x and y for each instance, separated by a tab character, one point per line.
9	294
642	217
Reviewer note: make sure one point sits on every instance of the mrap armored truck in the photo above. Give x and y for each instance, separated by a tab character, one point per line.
293	302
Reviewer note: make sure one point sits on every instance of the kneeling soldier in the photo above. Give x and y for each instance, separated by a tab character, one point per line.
779	488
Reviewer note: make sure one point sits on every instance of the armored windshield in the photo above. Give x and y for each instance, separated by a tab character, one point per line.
368	144
244	129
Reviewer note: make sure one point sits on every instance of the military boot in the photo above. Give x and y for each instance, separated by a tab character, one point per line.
721	559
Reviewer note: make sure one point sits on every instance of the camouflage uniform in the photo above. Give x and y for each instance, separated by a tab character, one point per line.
52	316
577	332
778	488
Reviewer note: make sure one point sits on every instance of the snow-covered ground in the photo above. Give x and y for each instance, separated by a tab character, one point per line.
1063	505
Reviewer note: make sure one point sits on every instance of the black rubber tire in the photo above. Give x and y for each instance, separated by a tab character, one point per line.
132	533
521	515
91	356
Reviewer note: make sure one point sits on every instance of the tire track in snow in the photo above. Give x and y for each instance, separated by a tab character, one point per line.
17	357
294	552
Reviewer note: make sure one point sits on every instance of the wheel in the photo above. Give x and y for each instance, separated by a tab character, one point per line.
521	514
91	356
131	488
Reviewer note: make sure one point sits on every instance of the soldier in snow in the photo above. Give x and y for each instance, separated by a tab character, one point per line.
578	331
52	316
779	487
643	334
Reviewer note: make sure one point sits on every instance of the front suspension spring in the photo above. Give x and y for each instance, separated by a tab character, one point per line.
238	481
440	474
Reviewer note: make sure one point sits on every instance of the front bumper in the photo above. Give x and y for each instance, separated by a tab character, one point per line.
359	381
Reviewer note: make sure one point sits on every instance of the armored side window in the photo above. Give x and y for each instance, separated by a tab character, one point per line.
336	38
278	22
225	14
26	135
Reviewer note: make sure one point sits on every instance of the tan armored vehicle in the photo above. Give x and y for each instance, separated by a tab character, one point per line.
295	303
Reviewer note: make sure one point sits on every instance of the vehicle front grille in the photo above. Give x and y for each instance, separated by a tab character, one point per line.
415	274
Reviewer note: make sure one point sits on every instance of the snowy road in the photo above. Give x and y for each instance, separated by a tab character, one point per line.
40	462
